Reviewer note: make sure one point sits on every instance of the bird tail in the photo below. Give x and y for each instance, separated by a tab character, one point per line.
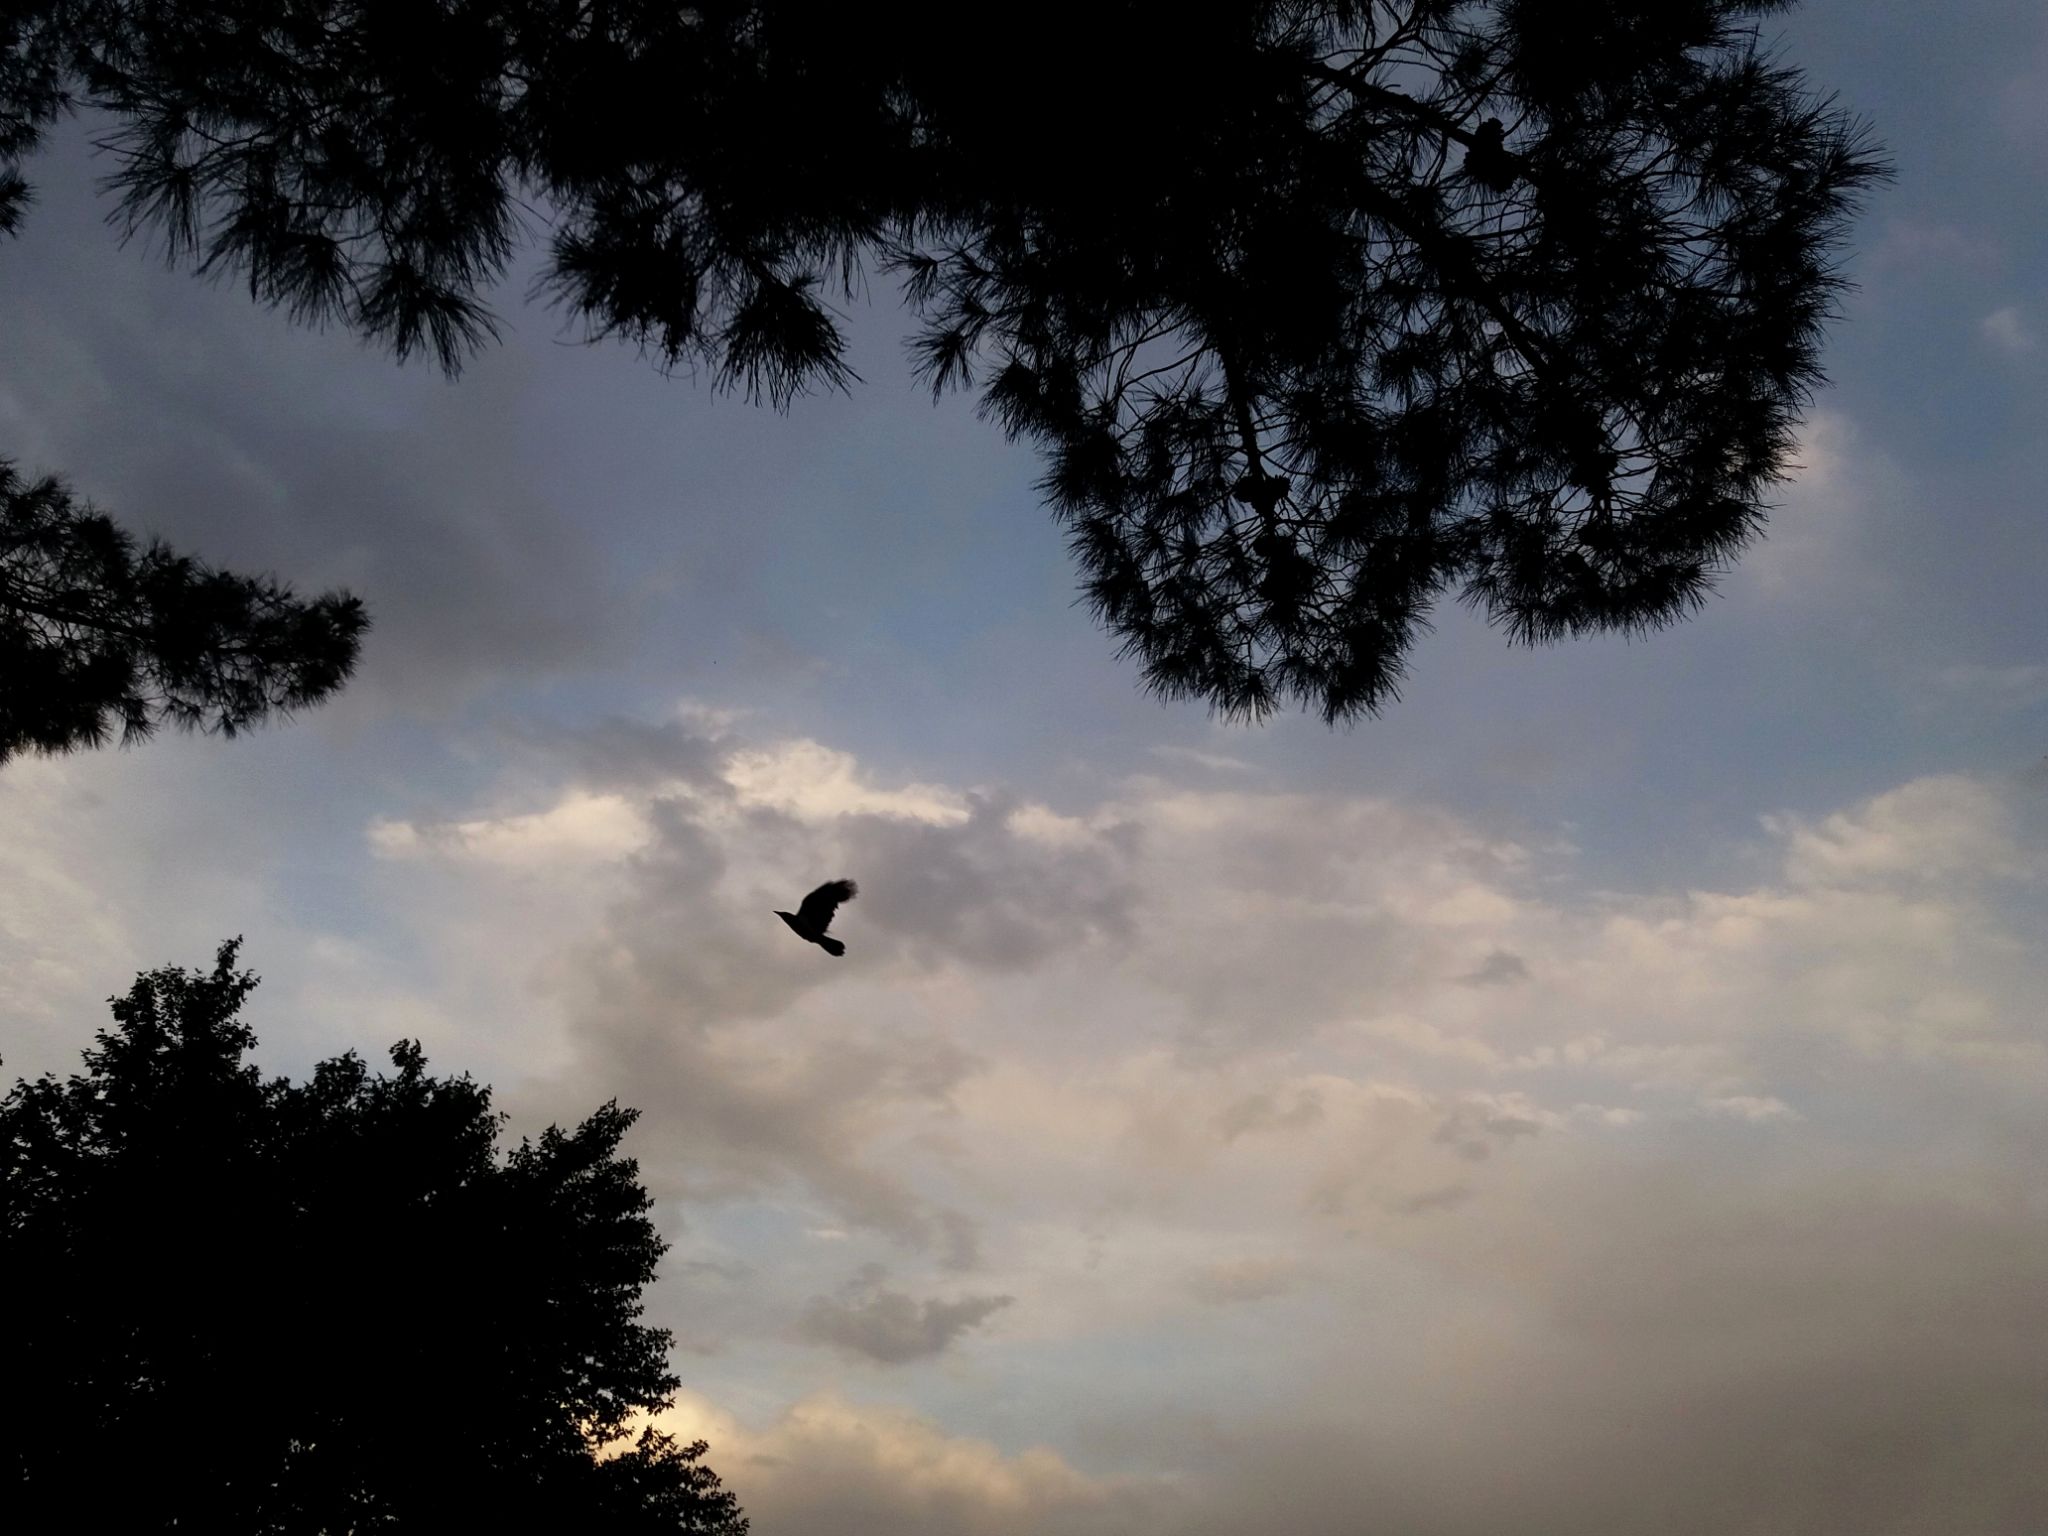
830	945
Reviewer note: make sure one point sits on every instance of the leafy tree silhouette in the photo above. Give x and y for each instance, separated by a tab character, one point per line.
1320	312
240	1304
92	633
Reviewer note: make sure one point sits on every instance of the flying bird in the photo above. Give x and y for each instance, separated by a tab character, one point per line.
814	915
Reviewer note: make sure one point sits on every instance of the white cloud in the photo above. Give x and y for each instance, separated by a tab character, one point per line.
829	1465
580	826
1819	531
61	936
815	783
2007	329
1930	828
116	861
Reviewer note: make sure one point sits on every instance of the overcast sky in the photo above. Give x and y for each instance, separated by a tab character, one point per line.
1607	1094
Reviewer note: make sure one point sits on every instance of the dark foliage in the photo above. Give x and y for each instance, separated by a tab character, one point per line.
1319	311
238	1305
93	633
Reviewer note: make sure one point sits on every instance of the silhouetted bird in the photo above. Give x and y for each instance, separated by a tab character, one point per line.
814	916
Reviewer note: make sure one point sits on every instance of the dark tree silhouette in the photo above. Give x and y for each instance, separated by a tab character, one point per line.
238	1305
1320	312
93	633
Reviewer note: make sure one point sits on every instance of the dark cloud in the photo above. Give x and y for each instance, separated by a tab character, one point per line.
1263	1112
1443	1198
1652	1342
1471	1129
1639	1345
890	1326
980	894
664	1000
959	1240
1334	885
1498	969
723	1121
189	412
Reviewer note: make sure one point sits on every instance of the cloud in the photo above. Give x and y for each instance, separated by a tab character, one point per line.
1480	1121
2012	687
1350	1161
2017	110
1648	1336
1202	1079
2007	330
1498	969
1229	1281
1264	1111
1748	1106
186	411
828	1465
1825	529
580	827
59	939
890	1326
815	784
1931	828
119	861
1217	762
1921	249
642	876
981	891
1216	936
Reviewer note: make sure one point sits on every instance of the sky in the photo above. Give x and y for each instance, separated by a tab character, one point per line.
1606	1093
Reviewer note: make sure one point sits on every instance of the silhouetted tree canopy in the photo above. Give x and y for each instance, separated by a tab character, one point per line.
246	1305
94	634
1320	312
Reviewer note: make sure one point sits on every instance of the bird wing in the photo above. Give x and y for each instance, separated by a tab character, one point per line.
818	907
